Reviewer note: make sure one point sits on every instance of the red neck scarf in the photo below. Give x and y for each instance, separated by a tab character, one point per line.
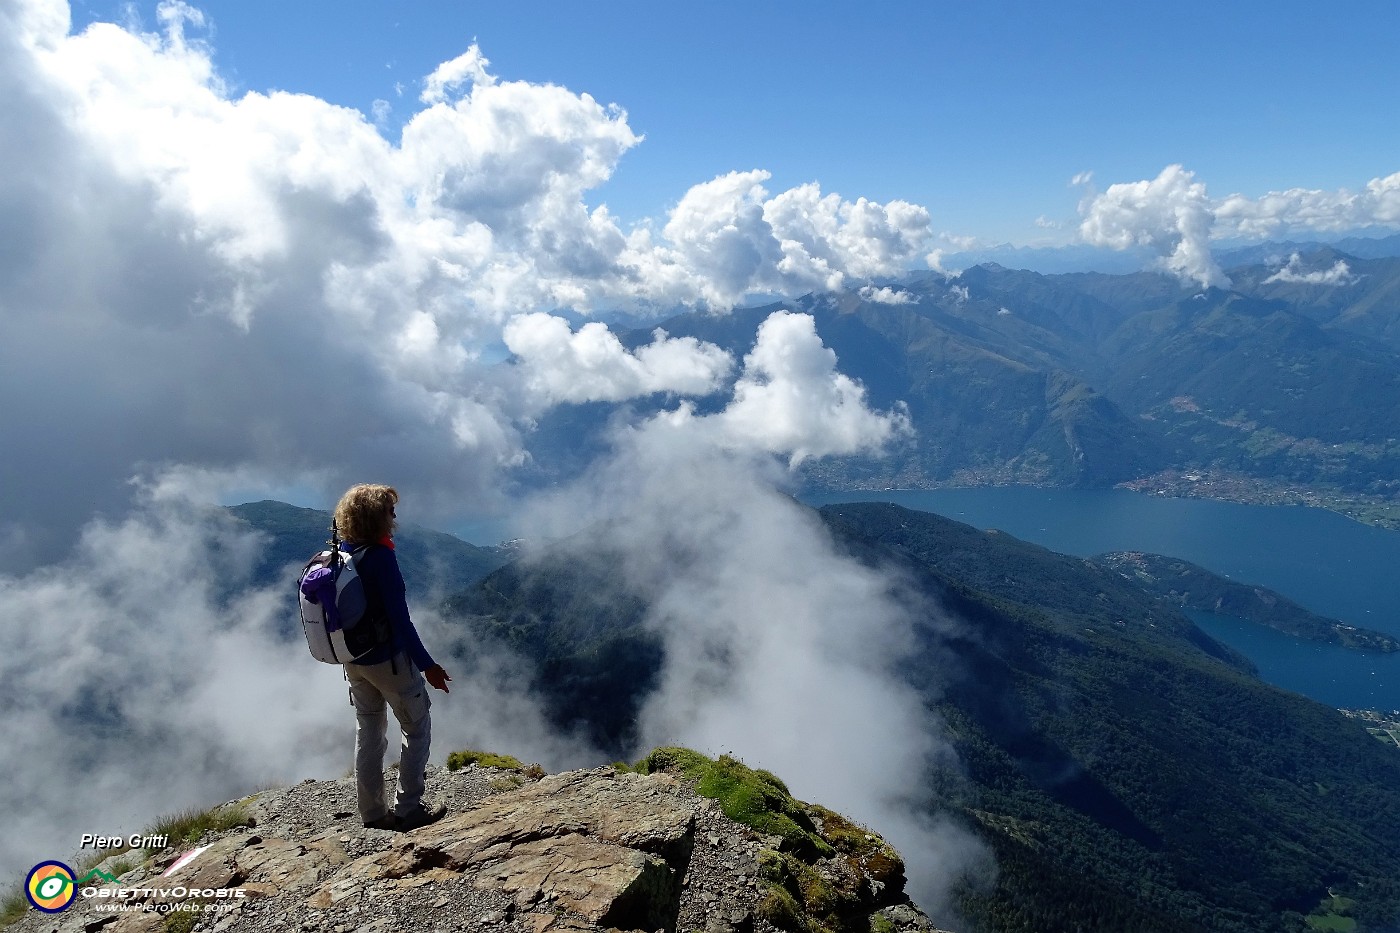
387	541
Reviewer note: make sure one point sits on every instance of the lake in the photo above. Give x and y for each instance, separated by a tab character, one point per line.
1324	561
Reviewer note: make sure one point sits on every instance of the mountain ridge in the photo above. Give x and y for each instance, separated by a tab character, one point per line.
519	852
1095	380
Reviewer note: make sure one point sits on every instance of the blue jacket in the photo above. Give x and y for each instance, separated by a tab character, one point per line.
384	592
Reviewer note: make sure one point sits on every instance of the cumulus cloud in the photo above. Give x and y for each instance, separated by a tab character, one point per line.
265	283
560	365
886	295
1300	209
740	240
790	400
467	68
1173	216
1339	274
148	673
1170	215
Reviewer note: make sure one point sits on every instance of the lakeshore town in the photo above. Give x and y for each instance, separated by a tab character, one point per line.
1384	726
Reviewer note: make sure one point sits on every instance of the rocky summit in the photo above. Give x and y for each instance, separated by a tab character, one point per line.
599	849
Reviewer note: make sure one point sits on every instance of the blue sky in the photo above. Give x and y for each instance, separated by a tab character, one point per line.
980	112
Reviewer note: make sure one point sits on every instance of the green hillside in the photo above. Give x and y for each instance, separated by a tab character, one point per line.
1253	386
1192	786
1194	587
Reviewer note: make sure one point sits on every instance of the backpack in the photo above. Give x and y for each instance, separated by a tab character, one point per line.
334	610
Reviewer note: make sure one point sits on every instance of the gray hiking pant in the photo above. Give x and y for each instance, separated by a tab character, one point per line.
372	688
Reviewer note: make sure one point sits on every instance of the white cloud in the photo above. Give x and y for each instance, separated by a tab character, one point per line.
790	400
857	239
886	295
192	269
559	365
1170	214
1339	274
1173	216
719	230
738	240
467	68
260	293
1303	210
780	648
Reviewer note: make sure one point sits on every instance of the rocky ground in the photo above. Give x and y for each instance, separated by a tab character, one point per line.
582	850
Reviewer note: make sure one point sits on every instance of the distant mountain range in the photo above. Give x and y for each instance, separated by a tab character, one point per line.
1087	379
1129	772
1052	260
434	564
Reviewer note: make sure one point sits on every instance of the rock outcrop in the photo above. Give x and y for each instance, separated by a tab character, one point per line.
583	850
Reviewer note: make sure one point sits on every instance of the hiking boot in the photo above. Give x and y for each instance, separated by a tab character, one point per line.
387	821
421	816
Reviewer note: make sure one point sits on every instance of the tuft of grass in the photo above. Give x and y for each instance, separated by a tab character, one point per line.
459	760
183	921
13	907
674	759
186	827
780	908
506	782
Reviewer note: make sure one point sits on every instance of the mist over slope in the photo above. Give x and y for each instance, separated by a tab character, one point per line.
158	668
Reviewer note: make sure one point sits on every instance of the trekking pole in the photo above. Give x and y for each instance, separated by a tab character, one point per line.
335	545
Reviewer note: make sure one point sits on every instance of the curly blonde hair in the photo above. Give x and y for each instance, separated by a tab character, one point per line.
366	512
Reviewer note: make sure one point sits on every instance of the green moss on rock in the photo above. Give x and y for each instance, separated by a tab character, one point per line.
866	849
819	879
755	798
459	760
